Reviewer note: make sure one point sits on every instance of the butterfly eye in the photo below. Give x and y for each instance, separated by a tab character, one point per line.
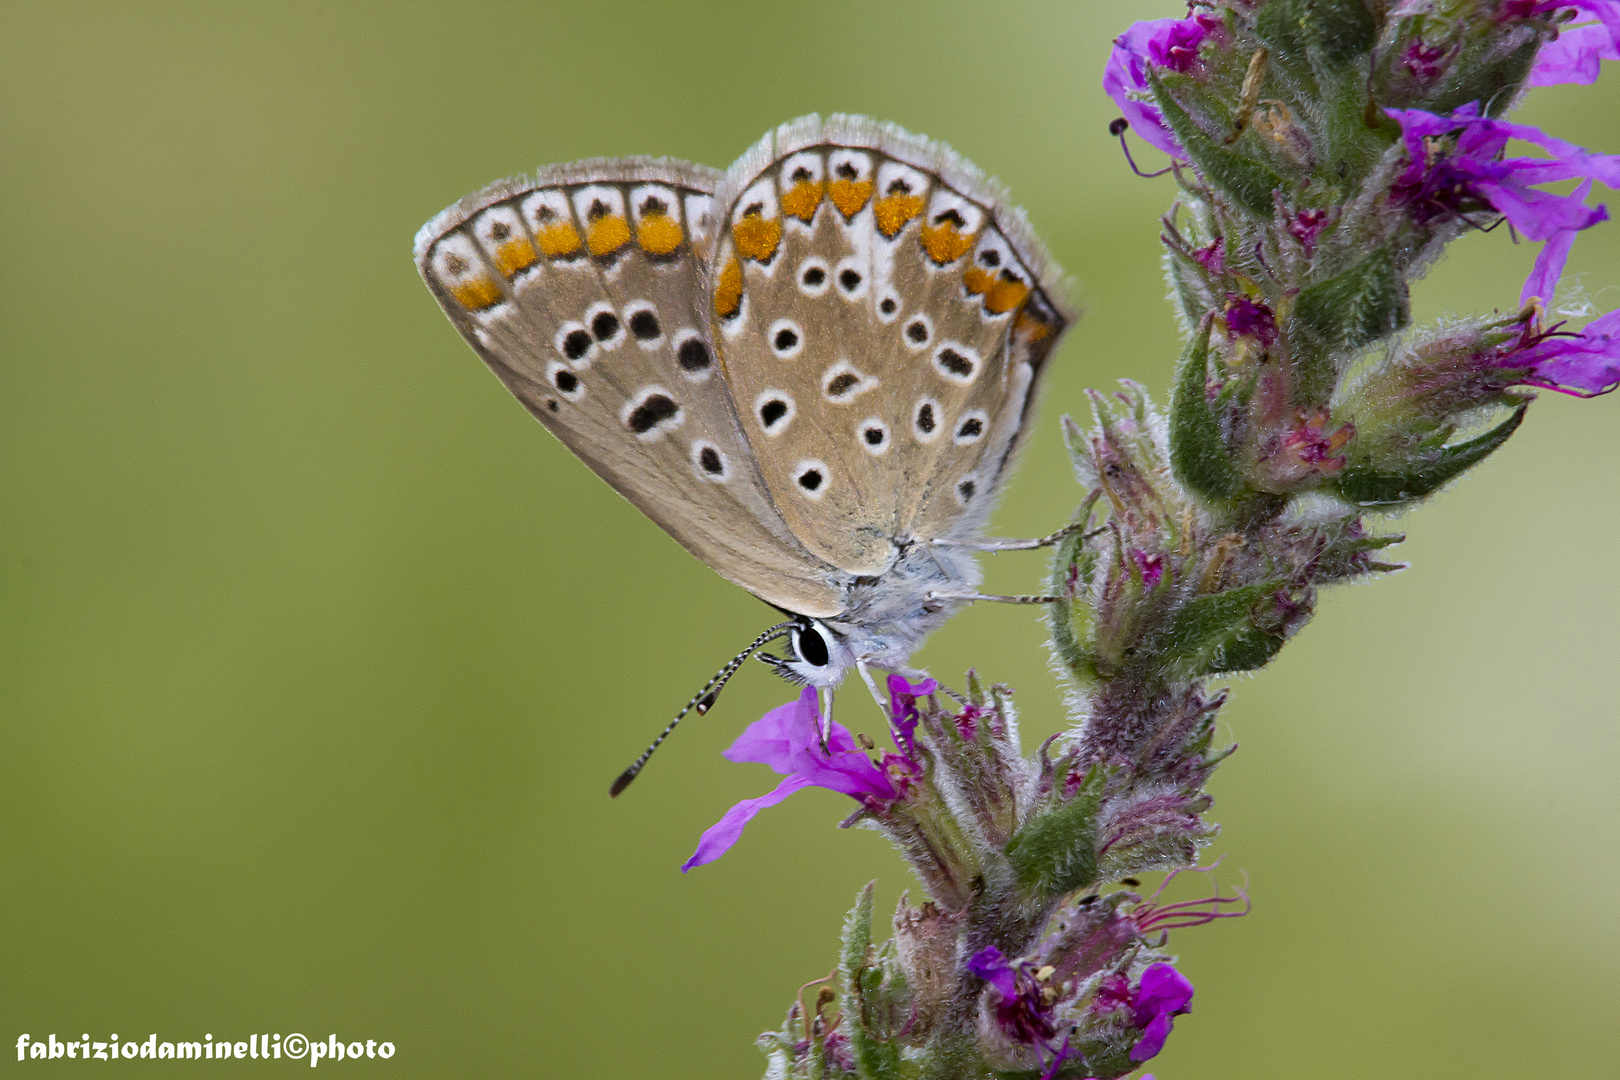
811	646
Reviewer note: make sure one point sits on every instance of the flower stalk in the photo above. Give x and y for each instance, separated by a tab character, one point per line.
1325	153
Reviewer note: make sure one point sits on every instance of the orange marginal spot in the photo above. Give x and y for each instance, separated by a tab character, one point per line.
477	293
945	243
1005	295
849	195
893	211
728	291
757	237
607	234
977	280
1030	328
558	239
515	255
659	234
802	199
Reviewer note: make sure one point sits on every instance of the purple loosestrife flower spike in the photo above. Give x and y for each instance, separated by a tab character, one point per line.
1163	993
787	739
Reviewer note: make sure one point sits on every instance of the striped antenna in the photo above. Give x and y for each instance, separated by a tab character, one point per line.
702	701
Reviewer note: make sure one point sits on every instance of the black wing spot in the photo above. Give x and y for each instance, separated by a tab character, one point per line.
966	489
925	418
971	428
990	257
654	205
605	325
842	384
785	339
644	324
955	363
694	355
455	264
652	412
598	210
888	306
814	276
566	381
846	171
899	187
850	280
709	459
873	436
772	411
800	175
951	216
917	331
500	230
810	479
576	344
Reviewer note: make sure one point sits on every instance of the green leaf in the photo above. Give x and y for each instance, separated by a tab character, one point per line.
875	1059
1247	183
1329	34
1056	851
1368	486
1359	306
1197	453
1216	633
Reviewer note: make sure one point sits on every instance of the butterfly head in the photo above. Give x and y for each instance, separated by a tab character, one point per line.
820	654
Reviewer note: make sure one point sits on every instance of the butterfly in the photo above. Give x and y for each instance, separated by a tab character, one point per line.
812	370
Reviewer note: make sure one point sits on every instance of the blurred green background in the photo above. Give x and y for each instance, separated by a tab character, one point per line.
317	654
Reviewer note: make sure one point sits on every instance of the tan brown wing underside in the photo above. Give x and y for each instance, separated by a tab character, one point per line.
883	319
582	290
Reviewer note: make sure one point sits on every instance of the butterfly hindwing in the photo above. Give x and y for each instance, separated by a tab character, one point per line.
582	289
883	318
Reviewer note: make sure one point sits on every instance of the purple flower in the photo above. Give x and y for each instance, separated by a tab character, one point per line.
1456	164
1306	226
903	714
788	739
1585	363
1162	994
1426	62
1157	41
1212	257
1150	565
1245	318
1022	1011
1578	52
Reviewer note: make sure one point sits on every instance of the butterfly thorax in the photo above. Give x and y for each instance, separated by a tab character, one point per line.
887	617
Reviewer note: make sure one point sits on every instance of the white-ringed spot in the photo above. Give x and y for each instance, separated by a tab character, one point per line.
811	477
786	338
693	355
651	413
970	428
956	362
575	344
709	463
813	277
850	277
873	435
926	420
889	307
567	383
775	410
642	319
605	324
966	488
844	382
918	332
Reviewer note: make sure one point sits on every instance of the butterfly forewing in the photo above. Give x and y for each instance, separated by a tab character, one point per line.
883	319
583	291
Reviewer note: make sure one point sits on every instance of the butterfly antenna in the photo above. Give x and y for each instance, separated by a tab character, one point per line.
702	701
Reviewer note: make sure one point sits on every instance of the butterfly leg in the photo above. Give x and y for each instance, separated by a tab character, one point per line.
1000	599
824	718
998	544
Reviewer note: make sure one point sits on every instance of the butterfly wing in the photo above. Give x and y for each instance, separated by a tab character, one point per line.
884	317
582	290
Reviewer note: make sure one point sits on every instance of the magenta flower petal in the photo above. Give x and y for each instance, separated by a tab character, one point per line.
788	739
1578	52
1125	80
1543	279
1584	364
903	714
718	838
990	965
1162	994
1153	1036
